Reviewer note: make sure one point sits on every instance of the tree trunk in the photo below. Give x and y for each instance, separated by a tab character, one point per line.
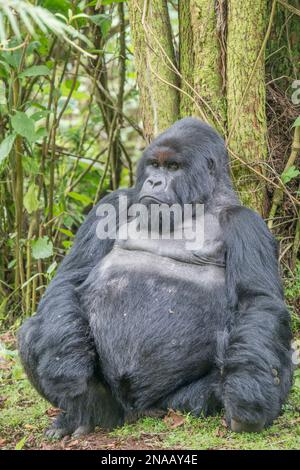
186	58
208	21
246	115
154	56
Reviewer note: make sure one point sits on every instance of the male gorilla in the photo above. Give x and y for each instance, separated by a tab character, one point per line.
128	328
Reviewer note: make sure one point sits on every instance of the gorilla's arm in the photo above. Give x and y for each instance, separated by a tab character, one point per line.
55	348
257	364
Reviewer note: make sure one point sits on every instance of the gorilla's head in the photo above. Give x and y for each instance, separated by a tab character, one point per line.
185	164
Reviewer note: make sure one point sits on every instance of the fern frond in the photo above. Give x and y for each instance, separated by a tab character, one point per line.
22	15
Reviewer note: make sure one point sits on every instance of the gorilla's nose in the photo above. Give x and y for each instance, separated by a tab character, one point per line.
155	182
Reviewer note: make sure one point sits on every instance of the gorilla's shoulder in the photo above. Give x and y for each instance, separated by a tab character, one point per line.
241	214
240	222
112	198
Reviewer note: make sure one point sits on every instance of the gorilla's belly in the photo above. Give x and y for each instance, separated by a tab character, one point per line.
155	322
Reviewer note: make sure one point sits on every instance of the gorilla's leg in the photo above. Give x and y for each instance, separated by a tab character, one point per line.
95	407
61	364
201	397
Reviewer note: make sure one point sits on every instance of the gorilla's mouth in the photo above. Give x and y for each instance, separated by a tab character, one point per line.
150	199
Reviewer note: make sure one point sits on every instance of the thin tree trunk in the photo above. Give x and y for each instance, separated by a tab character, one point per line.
186	58
246	98
154	55
208	22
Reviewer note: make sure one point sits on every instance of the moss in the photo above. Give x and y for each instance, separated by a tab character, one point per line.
209	64
247	123
186	58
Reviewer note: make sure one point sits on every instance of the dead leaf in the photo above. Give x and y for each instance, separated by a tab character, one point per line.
29	426
219	433
2	400
51	412
174	420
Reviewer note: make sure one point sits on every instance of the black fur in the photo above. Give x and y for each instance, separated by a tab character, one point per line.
102	352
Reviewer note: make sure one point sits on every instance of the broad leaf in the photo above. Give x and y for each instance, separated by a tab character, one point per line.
110	2
65	232
38	115
40	133
81	198
103	21
42	248
290	174
297	122
24	126
31	202
35	71
52	267
21	443
6	146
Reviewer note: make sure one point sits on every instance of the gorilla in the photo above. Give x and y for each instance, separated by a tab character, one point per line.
131	327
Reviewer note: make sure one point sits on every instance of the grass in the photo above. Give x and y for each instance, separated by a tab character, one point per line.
24	416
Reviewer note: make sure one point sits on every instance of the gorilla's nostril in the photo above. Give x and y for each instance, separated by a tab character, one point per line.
154	182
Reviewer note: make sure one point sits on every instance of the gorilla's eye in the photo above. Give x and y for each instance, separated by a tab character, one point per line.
210	164
173	166
154	163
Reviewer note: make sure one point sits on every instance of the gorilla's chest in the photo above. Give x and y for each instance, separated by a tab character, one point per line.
167	261
128	268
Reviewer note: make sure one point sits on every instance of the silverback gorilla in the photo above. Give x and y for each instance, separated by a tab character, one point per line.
133	327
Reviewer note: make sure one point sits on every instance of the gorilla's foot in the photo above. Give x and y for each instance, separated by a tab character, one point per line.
59	428
237	426
56	433
82	430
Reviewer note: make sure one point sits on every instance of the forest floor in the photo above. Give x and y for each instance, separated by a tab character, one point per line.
24	416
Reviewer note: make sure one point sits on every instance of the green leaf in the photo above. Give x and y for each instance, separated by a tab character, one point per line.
65	232
30	165
297	122
67	244
69	84
40	133
6	68
12	58
110	2
2	94
103	21
42	248
52	267
31	202
35	71
21	443
39	115
6	146
57	6
23	125
290	174
81	198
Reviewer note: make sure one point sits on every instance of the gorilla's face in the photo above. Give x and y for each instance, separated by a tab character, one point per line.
163	171
182	165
